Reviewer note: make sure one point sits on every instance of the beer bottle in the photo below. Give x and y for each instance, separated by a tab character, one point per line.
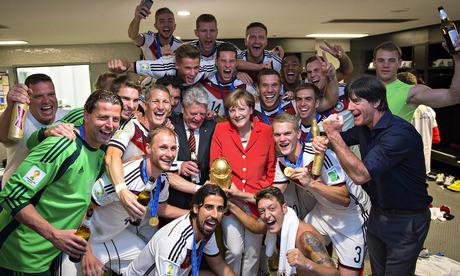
318	159
17	122
448	30
143	198
84	232
196	178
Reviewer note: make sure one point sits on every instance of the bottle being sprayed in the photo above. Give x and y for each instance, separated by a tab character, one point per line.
319	157
448	30
84	232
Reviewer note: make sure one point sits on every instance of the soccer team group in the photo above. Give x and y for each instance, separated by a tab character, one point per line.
201	101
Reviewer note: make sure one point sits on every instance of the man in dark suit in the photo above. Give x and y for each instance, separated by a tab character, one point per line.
194	134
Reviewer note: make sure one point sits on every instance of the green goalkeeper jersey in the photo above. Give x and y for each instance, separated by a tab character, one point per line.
56	178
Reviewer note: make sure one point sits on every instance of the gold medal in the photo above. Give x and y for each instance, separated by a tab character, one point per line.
288	171
153	221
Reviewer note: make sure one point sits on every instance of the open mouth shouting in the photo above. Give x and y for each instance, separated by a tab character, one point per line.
290	77
209	225
105	135
227	75
269	99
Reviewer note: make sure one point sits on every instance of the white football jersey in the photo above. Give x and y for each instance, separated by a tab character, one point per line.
110	217
150	47
130	138
217	92
166	65
169	251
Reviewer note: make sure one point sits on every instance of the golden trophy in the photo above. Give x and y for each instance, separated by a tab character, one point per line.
319	157
221	173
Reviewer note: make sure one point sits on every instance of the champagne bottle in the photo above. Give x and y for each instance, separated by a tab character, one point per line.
17	122
143	198
318	159
448	30
84	232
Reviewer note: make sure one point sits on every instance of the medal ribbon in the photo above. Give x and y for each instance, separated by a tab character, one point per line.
158	46
196	261
153	204
297	164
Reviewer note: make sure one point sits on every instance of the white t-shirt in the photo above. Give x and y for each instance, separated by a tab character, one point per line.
110	218
169	251
17	152
424	121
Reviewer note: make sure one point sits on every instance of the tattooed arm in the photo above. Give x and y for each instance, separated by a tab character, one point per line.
310	257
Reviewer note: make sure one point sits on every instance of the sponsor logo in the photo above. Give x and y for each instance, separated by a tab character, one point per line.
333	176
34	176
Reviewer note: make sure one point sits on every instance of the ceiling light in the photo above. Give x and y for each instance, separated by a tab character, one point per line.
183	13
337	35
13	42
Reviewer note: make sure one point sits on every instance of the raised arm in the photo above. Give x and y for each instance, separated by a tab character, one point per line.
352	165
331	93
337	51
114	169
140	13
17	94
422	94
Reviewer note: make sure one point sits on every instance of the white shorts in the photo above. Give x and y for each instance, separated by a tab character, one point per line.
349	241
301	200
115	254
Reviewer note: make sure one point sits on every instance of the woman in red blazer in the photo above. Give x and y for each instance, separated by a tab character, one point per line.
248	146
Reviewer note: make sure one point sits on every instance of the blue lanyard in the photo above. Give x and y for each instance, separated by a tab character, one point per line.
153	204
297	164
307	138
196	261
82	132
158	46
266	120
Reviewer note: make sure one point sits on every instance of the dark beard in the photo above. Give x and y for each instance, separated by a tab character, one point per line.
203	233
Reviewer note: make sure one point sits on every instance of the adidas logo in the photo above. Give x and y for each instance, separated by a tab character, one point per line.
81	170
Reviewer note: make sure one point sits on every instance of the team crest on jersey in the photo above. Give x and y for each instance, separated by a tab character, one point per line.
333	175
34	176
170	268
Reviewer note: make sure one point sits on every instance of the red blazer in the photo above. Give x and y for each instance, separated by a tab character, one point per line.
254	167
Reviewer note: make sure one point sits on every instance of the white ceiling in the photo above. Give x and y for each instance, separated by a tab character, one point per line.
60	22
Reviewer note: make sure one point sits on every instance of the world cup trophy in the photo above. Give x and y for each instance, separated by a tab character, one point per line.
221	173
